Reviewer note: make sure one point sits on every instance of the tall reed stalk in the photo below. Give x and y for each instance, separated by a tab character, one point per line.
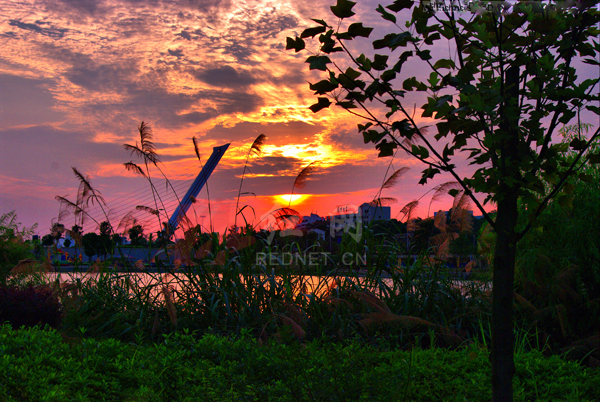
255	149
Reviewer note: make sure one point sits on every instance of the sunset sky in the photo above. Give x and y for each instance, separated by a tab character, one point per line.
78	76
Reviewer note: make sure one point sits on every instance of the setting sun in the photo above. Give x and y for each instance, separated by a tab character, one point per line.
295	198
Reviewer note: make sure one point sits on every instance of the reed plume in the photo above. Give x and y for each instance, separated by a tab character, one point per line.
127	221
378	200
383	201
132	167
147	209
442	190
86	195
408	210
285	215
302	178
395	177
255	149
146	151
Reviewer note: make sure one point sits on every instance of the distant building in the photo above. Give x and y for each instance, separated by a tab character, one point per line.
354	220
370	213
308	221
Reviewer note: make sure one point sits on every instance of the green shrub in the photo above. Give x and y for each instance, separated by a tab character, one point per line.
40	365
29	306
14	243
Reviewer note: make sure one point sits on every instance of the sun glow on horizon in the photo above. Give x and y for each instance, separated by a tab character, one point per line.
295	198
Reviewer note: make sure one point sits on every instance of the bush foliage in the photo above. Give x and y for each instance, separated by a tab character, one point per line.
40	365
29	306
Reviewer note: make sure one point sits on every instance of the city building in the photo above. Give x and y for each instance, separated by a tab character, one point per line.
307	221
370	213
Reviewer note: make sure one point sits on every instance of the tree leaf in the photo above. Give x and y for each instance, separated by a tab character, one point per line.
431	38
343	9
318	62
380	62
428	174
420	151
385	15
444	63
392	41
322	103
586	178
357	29
594	158
311	32
593	108
424	54
400	5
320	22
577	144
351	73
323	86
386	148
373	136
402	59
388	75
296	44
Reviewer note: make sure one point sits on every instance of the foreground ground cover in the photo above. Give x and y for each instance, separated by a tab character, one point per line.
42	365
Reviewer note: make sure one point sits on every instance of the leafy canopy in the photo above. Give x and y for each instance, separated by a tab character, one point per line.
512	68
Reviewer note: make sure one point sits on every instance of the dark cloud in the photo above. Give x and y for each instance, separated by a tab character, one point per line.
88	6
185	34
162	145
293	132
93	74
152	102
225	76
49	146
350	139
233	102
271	24
96	7
146	95
101	78
203	5
197	117
55	33
275	165
348	177
177	53
246	36
45	145
16	92
134	26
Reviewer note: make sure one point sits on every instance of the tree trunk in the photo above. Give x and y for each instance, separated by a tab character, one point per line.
502	301
503	365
